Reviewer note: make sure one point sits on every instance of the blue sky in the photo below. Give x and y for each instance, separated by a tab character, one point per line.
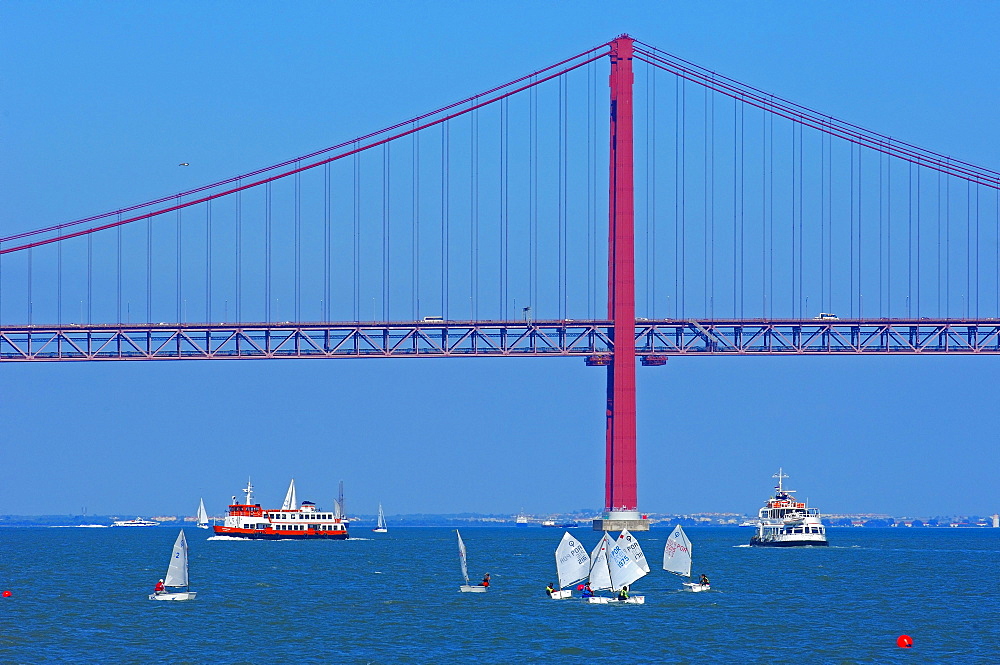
99	102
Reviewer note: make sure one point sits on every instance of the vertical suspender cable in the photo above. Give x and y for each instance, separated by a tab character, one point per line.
445	230
474	198
386	202
326	243
297	222
267	252
415	203
179	263
357	236
118	262
239	254
208	262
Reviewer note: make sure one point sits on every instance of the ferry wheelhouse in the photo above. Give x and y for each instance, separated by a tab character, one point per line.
293	521
786	522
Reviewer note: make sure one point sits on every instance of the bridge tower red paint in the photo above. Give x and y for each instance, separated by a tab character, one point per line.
620	500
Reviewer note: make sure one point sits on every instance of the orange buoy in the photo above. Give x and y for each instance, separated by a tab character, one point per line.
7	594
904	642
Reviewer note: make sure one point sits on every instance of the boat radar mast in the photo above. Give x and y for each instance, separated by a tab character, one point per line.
249	492
780	476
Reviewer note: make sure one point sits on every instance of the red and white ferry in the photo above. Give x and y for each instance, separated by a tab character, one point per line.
291	522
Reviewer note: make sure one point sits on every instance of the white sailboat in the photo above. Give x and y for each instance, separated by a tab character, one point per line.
616	564
177	574
202	515
572	565
677	555
291	502
466	588
381	527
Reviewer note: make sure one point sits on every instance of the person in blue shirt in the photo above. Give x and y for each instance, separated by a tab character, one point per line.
587	591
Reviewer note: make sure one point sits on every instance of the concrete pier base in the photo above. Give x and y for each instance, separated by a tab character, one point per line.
619	520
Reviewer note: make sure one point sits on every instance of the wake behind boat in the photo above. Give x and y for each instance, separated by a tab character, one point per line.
291	522
785	522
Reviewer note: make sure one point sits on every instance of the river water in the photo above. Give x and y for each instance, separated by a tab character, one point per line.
80	595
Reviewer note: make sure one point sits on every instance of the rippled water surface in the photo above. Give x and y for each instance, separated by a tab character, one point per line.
80	595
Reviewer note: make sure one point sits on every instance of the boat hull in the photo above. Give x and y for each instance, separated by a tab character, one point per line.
560	594
759	542
695	587
184	595
631	600
380	530
598	600
473	588
279	535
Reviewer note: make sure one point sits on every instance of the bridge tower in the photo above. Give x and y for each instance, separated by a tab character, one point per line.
620	501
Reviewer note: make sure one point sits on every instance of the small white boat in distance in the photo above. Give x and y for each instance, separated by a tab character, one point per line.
380	527
202	515
138	521
677	554
467	588
572	565
177	574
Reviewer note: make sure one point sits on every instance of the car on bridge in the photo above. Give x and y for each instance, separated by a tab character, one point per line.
826	316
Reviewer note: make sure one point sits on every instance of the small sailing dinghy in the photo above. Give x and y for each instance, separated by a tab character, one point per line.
177	574
467	588
616	564
677	558
572	565
381	527
202	515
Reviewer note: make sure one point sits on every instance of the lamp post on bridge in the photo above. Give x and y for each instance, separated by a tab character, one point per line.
620	502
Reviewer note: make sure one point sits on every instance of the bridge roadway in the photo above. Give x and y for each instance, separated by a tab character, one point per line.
591	339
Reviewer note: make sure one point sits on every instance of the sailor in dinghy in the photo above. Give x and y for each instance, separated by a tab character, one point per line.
177	574
616	565
572	565
677	559
469	588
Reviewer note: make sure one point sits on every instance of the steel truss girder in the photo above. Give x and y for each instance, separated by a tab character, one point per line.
461	339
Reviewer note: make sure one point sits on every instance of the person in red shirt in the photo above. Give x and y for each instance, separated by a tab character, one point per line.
158	589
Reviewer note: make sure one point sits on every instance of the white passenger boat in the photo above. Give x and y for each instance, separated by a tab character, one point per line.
138	521
177	574
786	522
293	521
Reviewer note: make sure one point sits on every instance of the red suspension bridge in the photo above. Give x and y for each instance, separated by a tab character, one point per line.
740	223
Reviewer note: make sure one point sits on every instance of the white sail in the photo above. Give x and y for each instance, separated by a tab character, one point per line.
677	553
461	557
202	513
572	561
627	561
381	517
600	567
177	571
290	502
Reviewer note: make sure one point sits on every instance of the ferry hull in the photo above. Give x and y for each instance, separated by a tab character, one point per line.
756	542
278	535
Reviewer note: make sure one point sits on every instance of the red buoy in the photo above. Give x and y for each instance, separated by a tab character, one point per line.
6	594
904	642
579	587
